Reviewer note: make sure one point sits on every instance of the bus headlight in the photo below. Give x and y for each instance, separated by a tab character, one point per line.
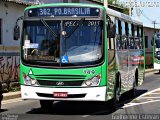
94	81
29	81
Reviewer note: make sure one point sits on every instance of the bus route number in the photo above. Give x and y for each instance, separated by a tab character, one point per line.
75	23
89	71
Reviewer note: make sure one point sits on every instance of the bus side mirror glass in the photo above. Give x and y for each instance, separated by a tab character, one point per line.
112	30
16	32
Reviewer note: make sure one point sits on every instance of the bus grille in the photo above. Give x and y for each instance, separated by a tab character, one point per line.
60	83
60	80
60	77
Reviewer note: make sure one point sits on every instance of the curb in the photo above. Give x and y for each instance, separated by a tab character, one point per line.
11	95
14	95
150	70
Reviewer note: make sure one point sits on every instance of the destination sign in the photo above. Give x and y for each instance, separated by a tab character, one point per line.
63	11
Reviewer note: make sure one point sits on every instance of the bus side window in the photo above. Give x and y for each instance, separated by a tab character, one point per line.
135	31
138	43
127	34
124	37
123	28
132	37
129	30
118	35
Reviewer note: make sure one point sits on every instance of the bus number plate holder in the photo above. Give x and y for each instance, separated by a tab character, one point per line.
60	94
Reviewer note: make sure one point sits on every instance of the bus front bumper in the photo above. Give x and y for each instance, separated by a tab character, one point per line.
157	66
73	94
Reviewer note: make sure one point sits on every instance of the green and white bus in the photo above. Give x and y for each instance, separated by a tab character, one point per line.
79	52
156	51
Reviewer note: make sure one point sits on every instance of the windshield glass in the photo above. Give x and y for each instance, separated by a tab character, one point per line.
80	45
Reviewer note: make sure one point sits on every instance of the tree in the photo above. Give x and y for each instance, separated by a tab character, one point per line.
115	3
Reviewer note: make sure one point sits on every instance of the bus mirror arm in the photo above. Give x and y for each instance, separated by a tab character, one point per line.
152	41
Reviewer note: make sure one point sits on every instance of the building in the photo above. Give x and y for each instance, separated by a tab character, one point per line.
148	35
10	11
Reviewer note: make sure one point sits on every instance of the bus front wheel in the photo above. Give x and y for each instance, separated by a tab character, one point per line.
46	104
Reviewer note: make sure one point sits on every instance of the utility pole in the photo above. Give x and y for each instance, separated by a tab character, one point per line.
154	23
105	3
130	7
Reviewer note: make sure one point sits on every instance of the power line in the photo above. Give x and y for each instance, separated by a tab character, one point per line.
146	16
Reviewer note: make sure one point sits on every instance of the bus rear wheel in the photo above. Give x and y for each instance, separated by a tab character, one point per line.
134	90
117	92
46	104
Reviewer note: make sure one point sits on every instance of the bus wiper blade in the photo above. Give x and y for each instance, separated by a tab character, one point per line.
48	27
76	27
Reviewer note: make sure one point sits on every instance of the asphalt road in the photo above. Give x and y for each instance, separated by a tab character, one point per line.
145	106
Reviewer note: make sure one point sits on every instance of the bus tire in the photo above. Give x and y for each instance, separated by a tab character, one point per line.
46	104
117	92
135	84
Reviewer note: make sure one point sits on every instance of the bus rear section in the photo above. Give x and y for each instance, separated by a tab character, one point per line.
156	51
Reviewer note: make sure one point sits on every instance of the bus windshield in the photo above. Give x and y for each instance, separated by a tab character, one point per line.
82	45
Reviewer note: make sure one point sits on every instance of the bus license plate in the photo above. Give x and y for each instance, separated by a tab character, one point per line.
60	94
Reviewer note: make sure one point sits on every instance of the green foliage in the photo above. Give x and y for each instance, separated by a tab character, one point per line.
114	2
15	89
126	11
5	90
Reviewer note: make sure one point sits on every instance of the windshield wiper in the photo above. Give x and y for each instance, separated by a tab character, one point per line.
48	27
76	27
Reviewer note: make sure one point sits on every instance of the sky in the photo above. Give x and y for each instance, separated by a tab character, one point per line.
147	10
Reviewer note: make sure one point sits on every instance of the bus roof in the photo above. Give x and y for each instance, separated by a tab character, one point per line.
65	4
123	16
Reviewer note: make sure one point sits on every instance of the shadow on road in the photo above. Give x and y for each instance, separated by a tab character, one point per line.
3	110
84	108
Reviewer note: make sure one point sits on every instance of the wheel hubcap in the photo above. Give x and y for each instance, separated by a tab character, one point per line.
117	94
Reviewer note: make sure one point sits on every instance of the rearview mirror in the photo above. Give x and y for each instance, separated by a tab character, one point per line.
16	30
111	30
16	33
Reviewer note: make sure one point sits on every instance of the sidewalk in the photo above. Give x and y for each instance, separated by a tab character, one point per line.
14	95
149	70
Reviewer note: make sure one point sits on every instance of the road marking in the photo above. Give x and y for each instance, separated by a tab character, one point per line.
148	93
11	101
155	93
100	112
86	116
141	103
149	98
143	96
